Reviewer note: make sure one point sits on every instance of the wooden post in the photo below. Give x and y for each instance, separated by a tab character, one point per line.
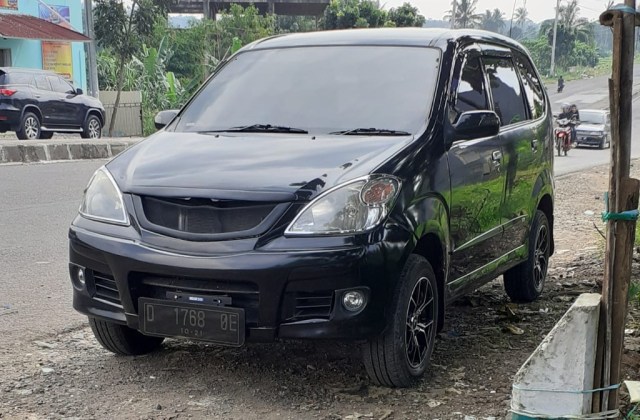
623	195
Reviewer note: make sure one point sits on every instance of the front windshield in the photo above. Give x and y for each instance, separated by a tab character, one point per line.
319	90
592	117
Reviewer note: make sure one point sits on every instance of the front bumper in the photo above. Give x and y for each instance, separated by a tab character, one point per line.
588	139
285	293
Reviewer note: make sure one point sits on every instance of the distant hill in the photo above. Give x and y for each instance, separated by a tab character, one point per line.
432	23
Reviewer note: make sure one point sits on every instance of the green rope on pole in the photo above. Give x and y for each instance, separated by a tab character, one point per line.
629	215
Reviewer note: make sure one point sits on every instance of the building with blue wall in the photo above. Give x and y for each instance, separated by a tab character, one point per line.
66	58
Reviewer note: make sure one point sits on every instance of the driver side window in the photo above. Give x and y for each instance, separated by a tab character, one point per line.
471	92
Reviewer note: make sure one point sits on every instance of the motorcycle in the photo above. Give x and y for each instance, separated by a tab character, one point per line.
560	88
562	135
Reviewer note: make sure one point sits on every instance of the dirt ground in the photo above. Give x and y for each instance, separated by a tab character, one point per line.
69	376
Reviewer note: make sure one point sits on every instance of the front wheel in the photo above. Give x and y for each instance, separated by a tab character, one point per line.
120	339
524	282
92	128
559	146
400	355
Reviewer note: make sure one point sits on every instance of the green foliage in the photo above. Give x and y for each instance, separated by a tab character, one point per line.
466	16
406	15
346	14
493	21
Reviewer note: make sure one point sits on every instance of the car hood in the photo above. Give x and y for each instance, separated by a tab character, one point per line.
590	127
244	166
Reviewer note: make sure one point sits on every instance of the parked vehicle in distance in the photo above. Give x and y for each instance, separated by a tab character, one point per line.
38	103
594	128
339	185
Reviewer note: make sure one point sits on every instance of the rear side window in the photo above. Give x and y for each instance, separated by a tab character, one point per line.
532	85
42	83
505	89
471	90
2	79
19	79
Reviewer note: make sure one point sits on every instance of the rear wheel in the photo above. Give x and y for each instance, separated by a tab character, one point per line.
120	339
525	282
400	355
92	128
559	146
29	128
46	135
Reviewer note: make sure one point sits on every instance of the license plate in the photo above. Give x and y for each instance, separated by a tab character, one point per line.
198	322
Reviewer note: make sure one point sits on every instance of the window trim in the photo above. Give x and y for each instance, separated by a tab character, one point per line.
45	77
547	104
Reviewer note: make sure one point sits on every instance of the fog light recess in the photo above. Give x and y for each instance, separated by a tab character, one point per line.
353	300
80	275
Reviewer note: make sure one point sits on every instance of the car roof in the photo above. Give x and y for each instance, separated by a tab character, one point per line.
425	37
9	70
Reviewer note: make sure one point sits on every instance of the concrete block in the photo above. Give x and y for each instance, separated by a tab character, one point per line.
24	153
117	148
89	151
58	152
565	360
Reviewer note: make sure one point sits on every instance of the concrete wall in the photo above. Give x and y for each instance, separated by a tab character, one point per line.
28	53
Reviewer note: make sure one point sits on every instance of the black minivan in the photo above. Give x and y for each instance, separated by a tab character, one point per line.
336	185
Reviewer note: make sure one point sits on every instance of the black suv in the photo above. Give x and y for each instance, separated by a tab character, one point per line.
37	103
335	185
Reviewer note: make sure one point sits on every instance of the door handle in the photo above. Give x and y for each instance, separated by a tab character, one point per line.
534	145
496	156
37	96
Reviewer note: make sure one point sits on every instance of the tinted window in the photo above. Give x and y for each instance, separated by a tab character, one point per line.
532	85
20	79
592	117
42	83
471	90
319	89
59	85
505	90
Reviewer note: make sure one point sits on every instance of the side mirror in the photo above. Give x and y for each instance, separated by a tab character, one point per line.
79	91
164	117
476	124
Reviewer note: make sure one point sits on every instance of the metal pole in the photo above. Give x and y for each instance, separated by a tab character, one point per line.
513	12
555	35
92	60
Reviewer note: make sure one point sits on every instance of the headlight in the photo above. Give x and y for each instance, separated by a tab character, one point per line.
353	207
103	200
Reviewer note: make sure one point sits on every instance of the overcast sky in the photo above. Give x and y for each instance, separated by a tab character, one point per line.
539	10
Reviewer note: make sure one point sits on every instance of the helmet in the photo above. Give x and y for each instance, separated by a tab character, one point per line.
566	107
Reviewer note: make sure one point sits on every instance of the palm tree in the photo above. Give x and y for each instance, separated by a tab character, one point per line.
493	21
570	19
522	14
466	16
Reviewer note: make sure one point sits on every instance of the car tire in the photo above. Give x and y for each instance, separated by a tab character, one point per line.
525	282
92	128
399	356
602	143
120	339
29	128
46	135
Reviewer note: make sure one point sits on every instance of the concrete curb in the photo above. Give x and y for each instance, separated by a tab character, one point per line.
27	152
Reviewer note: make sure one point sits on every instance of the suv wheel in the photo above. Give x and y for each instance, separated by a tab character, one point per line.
46	135
120	339
400	355
92	128
524	282
29	127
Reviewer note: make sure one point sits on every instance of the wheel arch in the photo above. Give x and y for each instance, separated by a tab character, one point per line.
34	109
545	204
97	113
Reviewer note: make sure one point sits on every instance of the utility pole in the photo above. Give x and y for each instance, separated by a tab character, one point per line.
91	51
453	14
555	36
622	211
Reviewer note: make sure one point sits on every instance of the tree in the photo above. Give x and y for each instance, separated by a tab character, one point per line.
346	14
521	16
123	29
406	15
493	21
466	16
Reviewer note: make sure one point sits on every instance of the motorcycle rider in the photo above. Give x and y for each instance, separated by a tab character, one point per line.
575	120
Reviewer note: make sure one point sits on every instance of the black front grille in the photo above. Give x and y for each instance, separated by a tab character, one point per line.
105	288
204	216
243	295
302	305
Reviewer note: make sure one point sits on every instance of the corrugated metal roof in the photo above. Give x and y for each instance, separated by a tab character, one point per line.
30	27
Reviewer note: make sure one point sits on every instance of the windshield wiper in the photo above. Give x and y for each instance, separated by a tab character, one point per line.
261	128
371	132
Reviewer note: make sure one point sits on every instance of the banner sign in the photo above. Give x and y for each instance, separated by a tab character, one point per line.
57	56
9	4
